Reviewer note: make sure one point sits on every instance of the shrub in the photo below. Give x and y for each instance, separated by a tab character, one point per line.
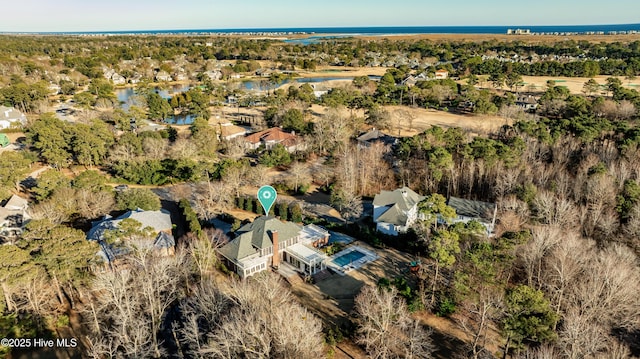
191	218
240	202
283	211
138	198
296	213
445	307
248	205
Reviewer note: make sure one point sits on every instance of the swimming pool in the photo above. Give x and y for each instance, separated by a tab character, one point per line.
348	258
351	258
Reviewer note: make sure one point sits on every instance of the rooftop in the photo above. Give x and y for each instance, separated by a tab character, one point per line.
257	235
157	220
473	209
303	252
404	197
229	129
16	203
374	135
10	113
394	216
274	134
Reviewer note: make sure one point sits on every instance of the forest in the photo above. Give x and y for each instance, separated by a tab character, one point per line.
557	278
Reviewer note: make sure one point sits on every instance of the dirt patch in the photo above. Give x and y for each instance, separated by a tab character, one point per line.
574	84
333	297
342	71
408	121
349	350
15	136
241	215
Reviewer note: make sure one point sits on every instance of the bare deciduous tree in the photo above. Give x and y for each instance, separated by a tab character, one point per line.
204	251
531	255
213	197
264	322
555	210
300	175
478	316
92	204
154	148
235	148
386	329
131	305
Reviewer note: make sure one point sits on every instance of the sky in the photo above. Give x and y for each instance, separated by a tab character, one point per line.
116	15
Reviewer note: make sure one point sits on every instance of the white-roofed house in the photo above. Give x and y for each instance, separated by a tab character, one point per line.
10	117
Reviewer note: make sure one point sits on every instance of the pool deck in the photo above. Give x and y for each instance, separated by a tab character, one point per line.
369	256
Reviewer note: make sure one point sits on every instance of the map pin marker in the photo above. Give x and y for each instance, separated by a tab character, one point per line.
267	197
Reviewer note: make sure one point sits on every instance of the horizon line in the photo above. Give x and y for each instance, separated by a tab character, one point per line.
299	28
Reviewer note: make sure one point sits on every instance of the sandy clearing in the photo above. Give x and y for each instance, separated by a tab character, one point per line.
343	71
14	136
574	84
538	84
423	119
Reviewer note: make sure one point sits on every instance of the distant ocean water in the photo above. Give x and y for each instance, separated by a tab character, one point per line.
395	30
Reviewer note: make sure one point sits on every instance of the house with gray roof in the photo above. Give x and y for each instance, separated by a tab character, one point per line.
157	223
13	218
527	103
395	211
374	135
9	117
268	242
469	210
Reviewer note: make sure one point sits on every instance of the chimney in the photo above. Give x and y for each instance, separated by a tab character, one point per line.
275	261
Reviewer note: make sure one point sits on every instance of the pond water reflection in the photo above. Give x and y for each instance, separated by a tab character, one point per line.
128	97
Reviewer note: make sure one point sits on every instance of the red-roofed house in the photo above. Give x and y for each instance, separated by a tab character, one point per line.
442	74
272	137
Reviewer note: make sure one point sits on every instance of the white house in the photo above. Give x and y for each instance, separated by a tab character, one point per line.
527	103
163	76
468	210
13	217
442	74
9	117
118	79
268	242
395	211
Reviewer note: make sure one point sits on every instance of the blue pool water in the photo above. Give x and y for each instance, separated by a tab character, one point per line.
348	258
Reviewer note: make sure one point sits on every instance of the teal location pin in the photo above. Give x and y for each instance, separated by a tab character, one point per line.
267	197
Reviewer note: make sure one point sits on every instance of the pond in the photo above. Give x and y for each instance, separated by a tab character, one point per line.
263	85
127	97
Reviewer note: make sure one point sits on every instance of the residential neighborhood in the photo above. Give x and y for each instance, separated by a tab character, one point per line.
361	193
